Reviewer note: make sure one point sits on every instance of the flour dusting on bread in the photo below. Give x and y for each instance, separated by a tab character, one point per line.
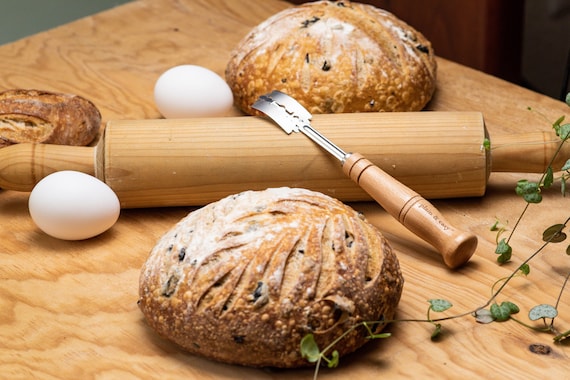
335	56
244	279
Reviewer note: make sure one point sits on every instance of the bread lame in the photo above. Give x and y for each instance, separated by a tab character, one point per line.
404	204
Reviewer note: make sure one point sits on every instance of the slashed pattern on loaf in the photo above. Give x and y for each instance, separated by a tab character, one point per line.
242	280
335	57
36	116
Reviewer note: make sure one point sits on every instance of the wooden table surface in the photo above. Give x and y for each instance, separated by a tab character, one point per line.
68	309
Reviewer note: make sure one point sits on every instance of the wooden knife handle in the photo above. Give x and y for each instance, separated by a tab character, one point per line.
412	210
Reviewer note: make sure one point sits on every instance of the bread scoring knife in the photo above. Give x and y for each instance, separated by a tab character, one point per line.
404	204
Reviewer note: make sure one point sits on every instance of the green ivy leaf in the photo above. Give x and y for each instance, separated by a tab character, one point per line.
548	178
309	348
503	247
499	313
525	269
504	258
530	191
504	250
511	307
564	131
566	165
522	186
487	144
439	305
436	331
533	198
556	124
503	311
554	234
542	311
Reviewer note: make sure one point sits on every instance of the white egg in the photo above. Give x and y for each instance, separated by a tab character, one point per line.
192	91
71	205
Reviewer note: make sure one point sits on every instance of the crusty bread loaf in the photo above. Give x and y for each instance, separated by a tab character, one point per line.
335	56
33	116
244	279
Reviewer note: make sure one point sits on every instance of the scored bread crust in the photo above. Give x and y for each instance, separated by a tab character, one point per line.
244	279
334	57
35	116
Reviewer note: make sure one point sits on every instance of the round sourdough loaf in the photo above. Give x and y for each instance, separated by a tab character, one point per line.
335	56
35	116
244	279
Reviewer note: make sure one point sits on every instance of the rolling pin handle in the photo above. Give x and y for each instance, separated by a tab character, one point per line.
412	210
23	165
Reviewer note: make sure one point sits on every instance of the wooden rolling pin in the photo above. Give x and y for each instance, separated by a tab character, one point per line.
151	163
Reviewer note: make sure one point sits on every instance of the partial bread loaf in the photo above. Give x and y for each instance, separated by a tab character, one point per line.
335	56
244	279
33	116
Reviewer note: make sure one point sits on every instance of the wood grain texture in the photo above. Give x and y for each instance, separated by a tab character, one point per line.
68	309
192	162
